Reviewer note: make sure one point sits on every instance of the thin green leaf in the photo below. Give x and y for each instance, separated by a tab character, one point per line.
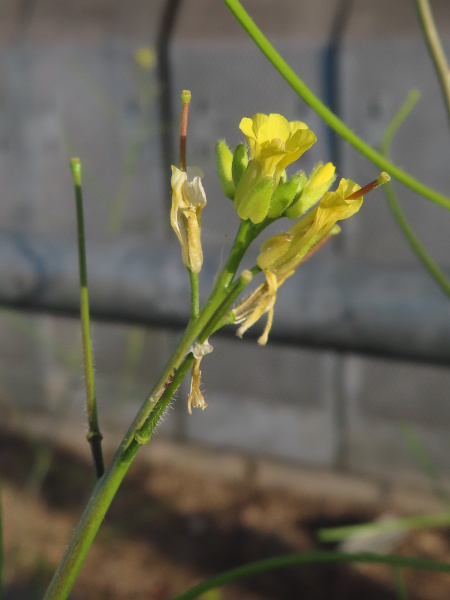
309	558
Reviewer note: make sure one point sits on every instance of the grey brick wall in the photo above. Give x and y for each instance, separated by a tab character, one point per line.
70	86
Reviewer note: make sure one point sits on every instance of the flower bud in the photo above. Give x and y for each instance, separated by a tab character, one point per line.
319	181
285	194
240	162
224	161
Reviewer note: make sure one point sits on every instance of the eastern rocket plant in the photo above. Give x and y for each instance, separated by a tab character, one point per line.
254	177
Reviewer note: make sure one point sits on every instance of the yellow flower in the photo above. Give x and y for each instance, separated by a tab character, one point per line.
274	143
283	253
188	200
319	182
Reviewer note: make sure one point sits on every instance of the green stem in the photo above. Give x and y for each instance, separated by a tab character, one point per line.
221	317
84	535
281	562
104	493
246	234
397	120
387	526
329	117
402	593
195	299
94	435
435	48
431	266
140	430
417	247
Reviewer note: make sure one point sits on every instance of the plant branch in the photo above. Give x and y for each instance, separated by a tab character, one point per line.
327	115
309	558
417	247
435	48
94	435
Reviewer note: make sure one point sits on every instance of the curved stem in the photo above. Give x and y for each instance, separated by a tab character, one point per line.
103	495
417	247
195	299
329	117
309	558
431	266
435	48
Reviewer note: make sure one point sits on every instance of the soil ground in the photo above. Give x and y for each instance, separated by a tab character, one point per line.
170	527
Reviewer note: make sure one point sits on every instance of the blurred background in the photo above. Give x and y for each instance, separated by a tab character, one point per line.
355	377
360	344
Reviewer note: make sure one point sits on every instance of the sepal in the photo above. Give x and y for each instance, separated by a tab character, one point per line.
254	205
240	163
224	161
285	194
319	182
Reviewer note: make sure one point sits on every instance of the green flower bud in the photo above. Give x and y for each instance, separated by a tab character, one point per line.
224	161
319	181
240	162
254	205
285	194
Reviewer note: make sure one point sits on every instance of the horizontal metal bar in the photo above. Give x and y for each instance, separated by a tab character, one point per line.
397	313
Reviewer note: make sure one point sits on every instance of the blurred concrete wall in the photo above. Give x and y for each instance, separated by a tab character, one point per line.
71	85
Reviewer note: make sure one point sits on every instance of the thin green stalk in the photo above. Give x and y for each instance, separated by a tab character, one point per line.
367	530
400	585
425	463
94	435
143	434
143	424
195	298
397	120
221	317
329	117
292	560
435	48
417	247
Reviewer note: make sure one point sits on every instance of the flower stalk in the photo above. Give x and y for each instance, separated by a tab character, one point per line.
94	435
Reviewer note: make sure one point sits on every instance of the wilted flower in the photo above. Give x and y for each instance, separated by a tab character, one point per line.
188	200
196	399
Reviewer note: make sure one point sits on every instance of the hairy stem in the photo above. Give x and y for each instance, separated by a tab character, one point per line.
147	418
